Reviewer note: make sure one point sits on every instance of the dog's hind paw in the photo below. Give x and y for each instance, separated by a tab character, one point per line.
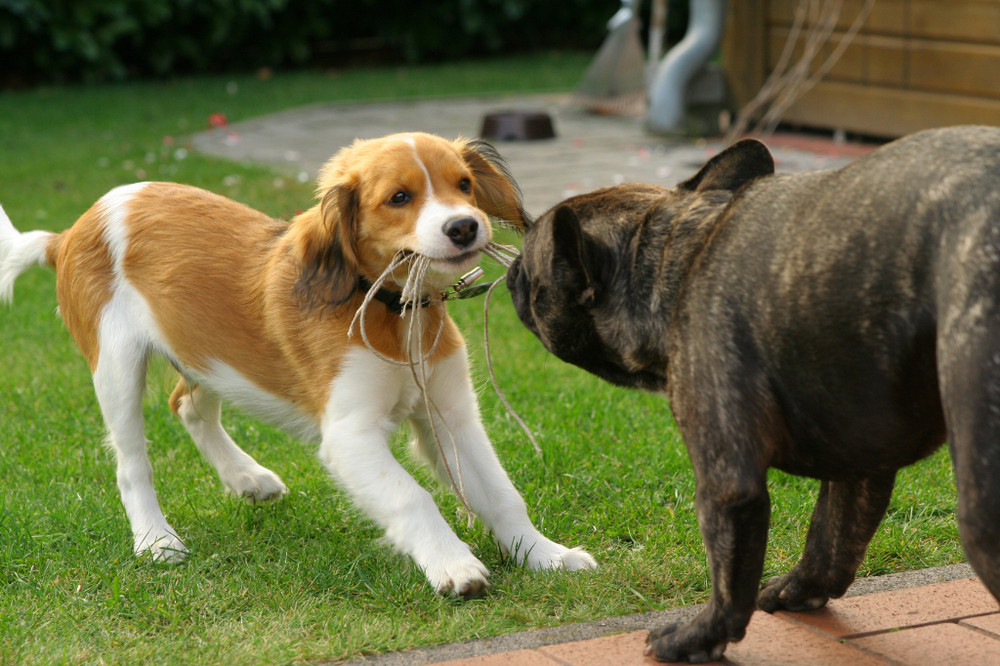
465	577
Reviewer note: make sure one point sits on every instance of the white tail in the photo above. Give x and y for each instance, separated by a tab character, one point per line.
18	253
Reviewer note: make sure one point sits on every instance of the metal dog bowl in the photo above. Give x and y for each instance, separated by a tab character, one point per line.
517	126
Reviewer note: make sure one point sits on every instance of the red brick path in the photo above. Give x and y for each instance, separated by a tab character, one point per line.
945	623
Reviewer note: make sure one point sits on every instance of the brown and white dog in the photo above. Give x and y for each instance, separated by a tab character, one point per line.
257	312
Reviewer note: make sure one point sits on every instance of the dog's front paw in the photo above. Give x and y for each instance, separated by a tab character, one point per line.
166	547
465	576
790	593
537	552
256	484
691	642
574	559
554	556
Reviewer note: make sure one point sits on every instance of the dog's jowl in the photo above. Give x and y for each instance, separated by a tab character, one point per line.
839	325
259	312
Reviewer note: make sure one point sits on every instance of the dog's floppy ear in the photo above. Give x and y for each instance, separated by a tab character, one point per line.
326	246
496	193
577	253
733	168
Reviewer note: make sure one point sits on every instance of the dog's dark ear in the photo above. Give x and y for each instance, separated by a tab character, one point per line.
496	193
326	244
733	168
578	254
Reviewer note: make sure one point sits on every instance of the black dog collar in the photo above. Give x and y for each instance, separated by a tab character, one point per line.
465	287
391	298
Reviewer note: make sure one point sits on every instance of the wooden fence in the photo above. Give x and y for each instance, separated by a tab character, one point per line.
914	64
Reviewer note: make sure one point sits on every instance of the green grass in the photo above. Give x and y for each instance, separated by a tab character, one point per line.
307	579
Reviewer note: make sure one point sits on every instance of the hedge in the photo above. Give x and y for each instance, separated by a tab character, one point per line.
87	40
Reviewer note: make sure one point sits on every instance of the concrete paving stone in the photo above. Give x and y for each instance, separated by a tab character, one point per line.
821	145
774	641
588	152
770	641
944	643
900	608
515	658
532	639
620	650
905	579
986	623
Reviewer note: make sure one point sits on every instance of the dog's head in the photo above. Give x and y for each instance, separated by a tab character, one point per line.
592	281
412	193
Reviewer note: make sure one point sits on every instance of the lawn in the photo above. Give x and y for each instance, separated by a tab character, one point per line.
307	579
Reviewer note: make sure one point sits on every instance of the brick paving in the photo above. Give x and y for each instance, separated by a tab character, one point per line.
895	619
954	622
940	616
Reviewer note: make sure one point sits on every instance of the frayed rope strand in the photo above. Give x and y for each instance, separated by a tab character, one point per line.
416	358
419	371
413	306
505	256
412	289
502	254
493	377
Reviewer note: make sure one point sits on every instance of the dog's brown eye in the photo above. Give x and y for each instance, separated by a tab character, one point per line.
400	198
465	185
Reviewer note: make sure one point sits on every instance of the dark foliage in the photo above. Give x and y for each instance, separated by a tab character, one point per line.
96	40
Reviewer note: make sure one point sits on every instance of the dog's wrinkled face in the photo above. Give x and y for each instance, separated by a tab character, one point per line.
563	283
593	282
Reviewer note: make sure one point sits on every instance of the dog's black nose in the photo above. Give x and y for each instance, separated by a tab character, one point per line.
462	231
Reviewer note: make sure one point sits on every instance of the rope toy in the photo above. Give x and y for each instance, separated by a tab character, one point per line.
414	303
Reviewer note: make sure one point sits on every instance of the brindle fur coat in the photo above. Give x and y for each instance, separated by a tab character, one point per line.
837	324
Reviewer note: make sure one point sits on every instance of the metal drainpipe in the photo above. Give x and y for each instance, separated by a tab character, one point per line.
667	90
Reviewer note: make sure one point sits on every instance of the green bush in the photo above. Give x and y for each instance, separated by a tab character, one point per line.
114	39
88	40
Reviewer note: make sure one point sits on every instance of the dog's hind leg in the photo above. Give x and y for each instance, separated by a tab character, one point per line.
846	516
968	359
970	392
976	454
201	413
119	381
477	471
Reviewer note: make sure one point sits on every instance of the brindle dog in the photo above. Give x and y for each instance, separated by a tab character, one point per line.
838	325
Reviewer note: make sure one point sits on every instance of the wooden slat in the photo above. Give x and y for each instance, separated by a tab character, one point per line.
744	51
969	69
915	64
868	59
959	20
950	67
887	112
887	17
